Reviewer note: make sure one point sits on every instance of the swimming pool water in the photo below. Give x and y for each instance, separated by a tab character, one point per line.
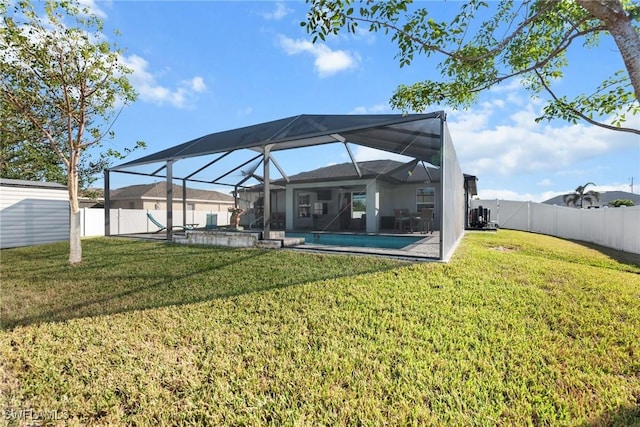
360	240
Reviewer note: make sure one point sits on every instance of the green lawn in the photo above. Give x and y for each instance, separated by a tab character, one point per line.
518	329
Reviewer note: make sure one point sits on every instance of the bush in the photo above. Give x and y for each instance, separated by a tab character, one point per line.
621	202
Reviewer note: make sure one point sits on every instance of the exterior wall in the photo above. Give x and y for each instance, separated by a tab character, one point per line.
616	228
373	207
331	220
32	215
382	199
404	197
248	201
126	204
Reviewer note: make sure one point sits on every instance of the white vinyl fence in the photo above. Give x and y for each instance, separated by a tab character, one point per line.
616	228
130	221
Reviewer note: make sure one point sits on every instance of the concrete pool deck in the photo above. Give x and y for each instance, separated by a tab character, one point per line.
425	249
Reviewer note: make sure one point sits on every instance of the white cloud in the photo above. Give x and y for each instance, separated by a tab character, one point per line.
94	8
545	182
489	140
327	62
245	111
280	11
197	84
493	194
373	109
150	90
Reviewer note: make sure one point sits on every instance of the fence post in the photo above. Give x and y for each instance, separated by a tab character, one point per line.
81	214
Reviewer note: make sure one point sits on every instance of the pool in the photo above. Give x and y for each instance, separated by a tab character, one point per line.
360	240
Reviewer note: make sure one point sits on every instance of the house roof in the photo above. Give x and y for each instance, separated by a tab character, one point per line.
605	198
388	170
414	135
158	190
5	182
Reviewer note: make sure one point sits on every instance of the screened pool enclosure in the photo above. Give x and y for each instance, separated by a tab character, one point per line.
258	159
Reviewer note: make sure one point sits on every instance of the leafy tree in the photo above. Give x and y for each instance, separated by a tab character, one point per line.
60	84
621	202
581	195
486	43
24	153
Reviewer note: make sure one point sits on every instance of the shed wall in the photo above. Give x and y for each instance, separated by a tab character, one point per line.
32	216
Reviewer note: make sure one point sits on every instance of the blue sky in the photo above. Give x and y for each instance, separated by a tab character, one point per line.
208	66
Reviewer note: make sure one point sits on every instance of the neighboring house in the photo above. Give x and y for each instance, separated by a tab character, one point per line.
32	213
154	196
605	198
316	199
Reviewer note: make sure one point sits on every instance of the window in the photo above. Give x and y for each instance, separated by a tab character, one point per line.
304	206
320	208
425	198
358	205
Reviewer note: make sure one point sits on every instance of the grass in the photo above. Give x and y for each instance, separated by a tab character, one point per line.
518	329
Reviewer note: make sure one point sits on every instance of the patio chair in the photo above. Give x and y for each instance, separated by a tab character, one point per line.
402	216
426	219
162	227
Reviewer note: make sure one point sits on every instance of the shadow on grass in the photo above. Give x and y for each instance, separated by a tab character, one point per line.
121	275
623	416
622	257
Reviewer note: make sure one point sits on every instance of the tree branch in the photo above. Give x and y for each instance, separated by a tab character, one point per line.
428	47
580	114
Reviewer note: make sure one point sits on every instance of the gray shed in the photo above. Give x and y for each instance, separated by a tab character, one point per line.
32	213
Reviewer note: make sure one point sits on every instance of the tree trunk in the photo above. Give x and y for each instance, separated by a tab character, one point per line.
611	13
75	232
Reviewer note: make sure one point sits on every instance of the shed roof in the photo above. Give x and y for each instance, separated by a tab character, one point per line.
31	184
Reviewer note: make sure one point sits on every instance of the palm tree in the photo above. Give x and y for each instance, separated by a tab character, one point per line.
578	197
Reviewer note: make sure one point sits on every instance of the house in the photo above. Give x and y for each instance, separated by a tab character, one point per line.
154	197
605	198
232	158
316	199
32	213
